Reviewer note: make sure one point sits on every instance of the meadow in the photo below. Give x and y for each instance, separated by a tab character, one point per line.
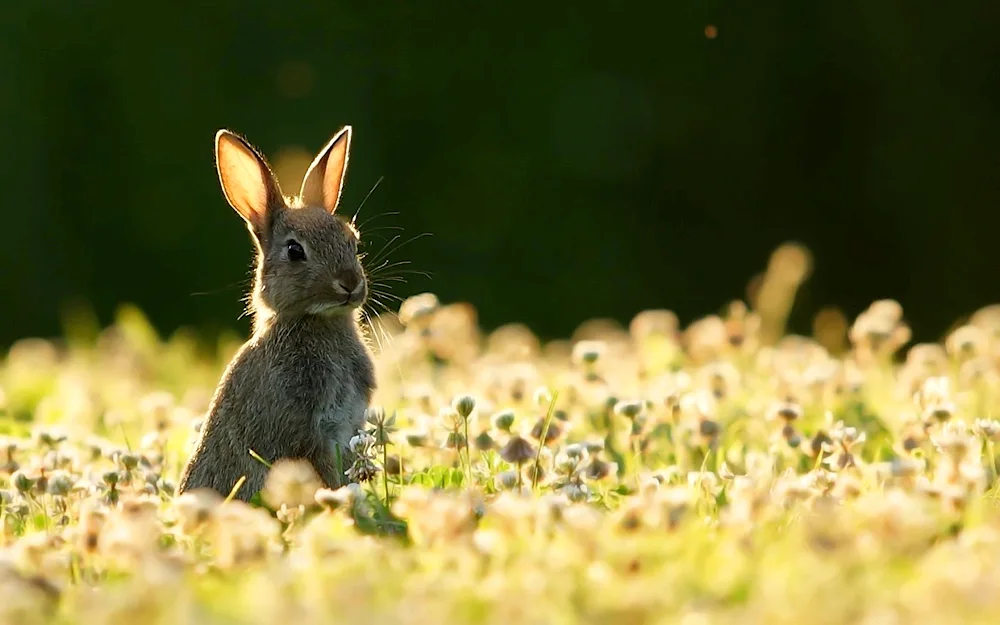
720	471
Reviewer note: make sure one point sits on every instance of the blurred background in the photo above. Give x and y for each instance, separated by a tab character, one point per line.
570	160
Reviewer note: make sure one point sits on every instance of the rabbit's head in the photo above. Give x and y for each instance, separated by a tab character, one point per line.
307	254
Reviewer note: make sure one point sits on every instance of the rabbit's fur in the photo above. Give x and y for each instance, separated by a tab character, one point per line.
299	387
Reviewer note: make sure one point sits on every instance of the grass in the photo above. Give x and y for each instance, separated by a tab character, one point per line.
725	472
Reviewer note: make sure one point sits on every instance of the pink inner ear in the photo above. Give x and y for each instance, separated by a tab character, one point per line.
243	179
333	180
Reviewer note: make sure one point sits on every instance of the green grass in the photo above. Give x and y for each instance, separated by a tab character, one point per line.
709	475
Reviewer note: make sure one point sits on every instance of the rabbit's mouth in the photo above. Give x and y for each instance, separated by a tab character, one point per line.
334	308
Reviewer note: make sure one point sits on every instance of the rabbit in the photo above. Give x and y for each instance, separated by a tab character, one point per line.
300	386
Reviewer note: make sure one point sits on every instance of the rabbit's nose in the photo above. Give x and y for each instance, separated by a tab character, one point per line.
349	284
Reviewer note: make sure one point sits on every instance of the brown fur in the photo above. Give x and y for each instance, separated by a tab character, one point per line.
298	388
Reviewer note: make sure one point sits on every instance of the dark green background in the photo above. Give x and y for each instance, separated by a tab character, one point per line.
570	159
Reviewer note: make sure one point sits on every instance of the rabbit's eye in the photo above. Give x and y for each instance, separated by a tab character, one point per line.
295	251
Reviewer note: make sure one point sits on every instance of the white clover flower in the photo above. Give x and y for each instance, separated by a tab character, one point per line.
361	442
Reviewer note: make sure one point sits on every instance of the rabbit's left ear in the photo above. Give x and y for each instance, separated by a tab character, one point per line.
324	179
246	180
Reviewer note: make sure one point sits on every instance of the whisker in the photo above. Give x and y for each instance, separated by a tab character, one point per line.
383	306
385	339
374	217
371	327
367	233
242	283
392	296
376	295
385	264
362	205
388	279
402	273
382	255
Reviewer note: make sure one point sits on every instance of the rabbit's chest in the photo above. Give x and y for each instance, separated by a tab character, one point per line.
341	410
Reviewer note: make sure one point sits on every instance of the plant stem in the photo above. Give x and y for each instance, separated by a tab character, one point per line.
468	452
541	440
385	471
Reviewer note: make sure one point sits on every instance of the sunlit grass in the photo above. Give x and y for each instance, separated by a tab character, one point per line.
725	472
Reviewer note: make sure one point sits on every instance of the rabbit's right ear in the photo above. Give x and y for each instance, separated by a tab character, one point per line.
247	181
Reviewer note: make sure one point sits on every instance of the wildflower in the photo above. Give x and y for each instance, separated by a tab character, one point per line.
786	411
454	440
819	443
464	405
484	441
675	502
152	440
517	450
504	420
92	520
879	330
934	400
60	483
594	446
988	429
195	507
551	433
708	429
451	419
955	443
535	472
791	490
383	427
705	480
338	499
506	479
575	451
628	409
157	408
362	469
722	379
791	436
906	468
598	469
361	442
21	481
129	460
967	342
292	483
10	447
111	478
846	486
542	397
418	308
566	464
588	352
417	438
241	534
166	486
393	465
50	437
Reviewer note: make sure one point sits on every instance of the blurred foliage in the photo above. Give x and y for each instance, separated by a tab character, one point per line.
566	157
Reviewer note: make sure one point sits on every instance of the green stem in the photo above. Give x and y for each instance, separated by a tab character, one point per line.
992	463
468	452
385	471
541	440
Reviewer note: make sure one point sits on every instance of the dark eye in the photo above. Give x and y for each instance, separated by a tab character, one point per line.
295	251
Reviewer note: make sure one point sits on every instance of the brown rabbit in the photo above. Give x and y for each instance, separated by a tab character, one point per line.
299	387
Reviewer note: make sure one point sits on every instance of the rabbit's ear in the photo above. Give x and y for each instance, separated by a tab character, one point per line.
325	177
246	179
